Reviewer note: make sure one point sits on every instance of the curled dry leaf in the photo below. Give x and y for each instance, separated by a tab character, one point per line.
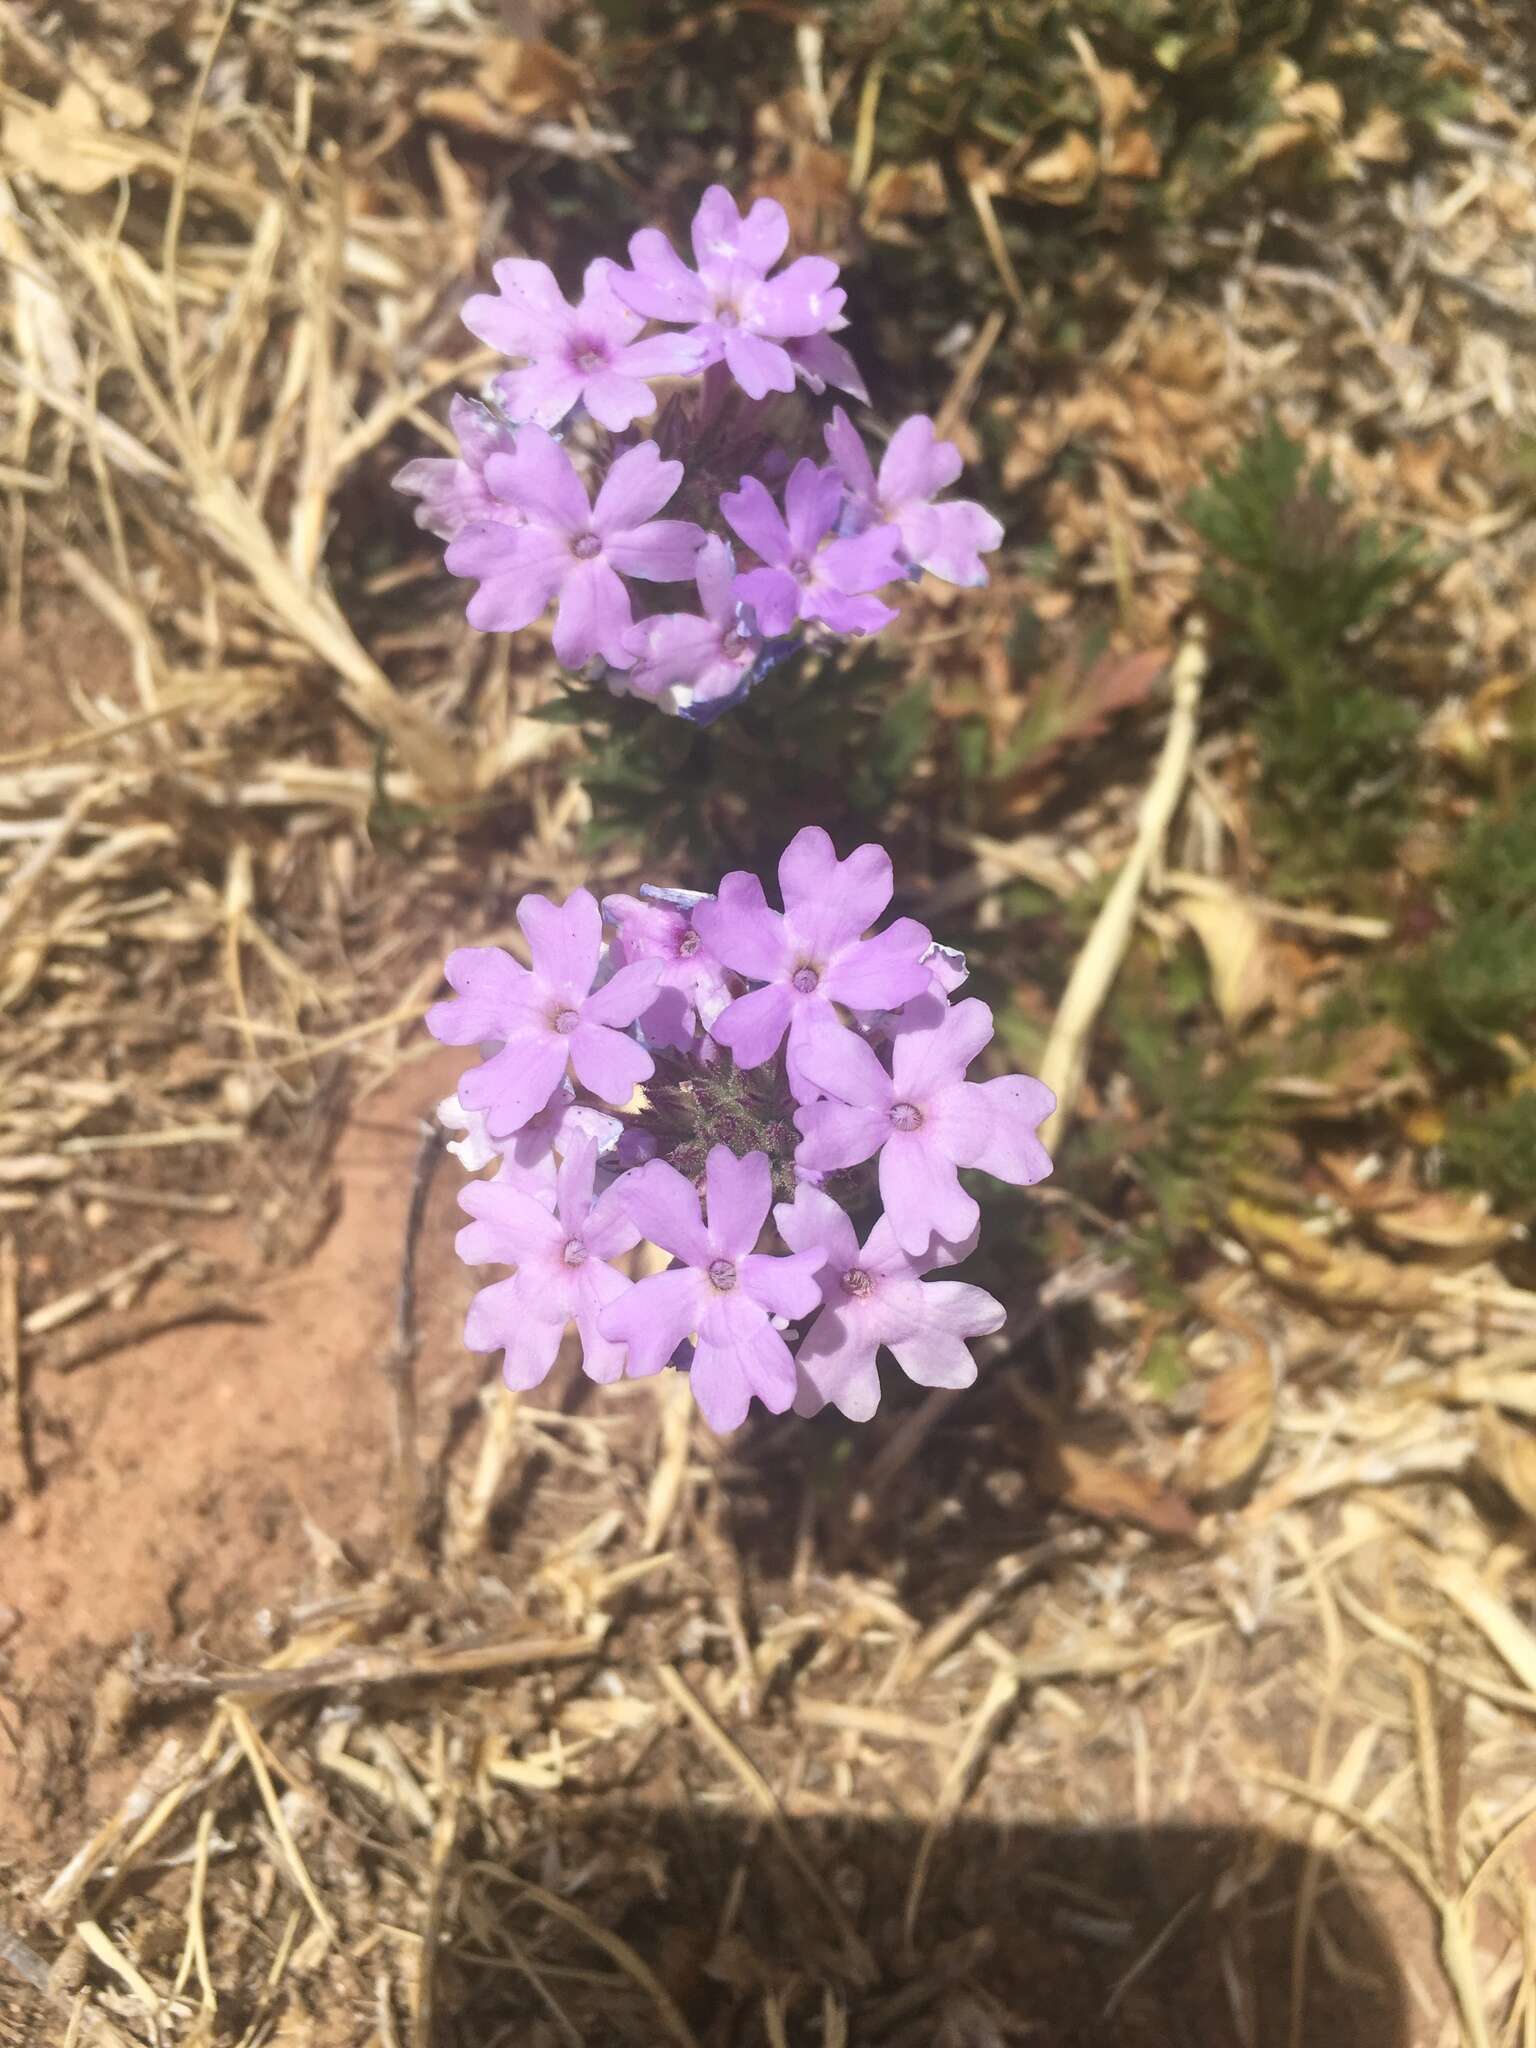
1060	176
1332	1277
1066	1469
1454	1230
1238	1416
1236	942
1507	1453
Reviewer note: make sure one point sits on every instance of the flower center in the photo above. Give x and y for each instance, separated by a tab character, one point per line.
857	1281
575	1253
567	1020
734	644
727	316
722	1275
589	358
585	546
906	1116
800	569
805	981
688	944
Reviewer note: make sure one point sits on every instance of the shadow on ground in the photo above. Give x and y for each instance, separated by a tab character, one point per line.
1117	1937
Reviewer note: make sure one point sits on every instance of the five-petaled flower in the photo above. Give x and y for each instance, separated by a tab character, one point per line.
923	1117
723	1292
585	354
567	549
874	1295
733	310
545	1017
812	954
562	1255
691	988
804	575
948	540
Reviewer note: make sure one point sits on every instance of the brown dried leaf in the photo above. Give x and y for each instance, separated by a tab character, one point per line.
1066	1469
1060	176
1332	1277
1507	1453
901	190
65	145
527	78
1134	154
1239	1418
1453	1229
1236	943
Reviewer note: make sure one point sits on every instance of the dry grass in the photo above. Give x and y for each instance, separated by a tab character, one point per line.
1026	1715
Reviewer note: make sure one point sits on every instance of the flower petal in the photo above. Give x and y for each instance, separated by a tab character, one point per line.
802	299
829	902
916	464
624	995
509	1225
615	400
742	931
950	540
845	1066
608	1063
722	235
655	1316
822	361
661	355
528	308
665	1208
594	616
742	1354
660	285
784	1286
598	1287
661	551
927	1324
516	1084
1012	1109
739	1194
542	394
492	992
754	518
835	1361
837	1134
539	478
934	1043
635	488
814	1222
758	365
883	972
774	598
752	1028
565	940
812	498
865	561
845	445
922	1192
498	1320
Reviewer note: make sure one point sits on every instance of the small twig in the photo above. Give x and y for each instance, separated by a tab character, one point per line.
400	1359
1066	1054
11	1369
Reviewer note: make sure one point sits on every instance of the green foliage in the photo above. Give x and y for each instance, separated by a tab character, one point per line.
1469	996
1494	1148
822	738
1302	585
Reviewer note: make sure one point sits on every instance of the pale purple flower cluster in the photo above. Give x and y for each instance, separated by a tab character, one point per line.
540	507
751	1061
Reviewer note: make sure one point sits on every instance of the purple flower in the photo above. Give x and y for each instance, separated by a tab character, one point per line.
948	540
453	491
567	550
722	1293
699	659
584	354
690	984
544	1017
530	1158
923	1117
802	578
877	1296
562	1276
733	310
812	954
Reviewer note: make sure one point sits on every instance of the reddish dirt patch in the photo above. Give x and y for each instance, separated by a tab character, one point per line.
178	1476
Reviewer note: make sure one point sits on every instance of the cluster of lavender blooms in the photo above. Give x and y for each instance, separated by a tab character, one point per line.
750	1060
521	517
